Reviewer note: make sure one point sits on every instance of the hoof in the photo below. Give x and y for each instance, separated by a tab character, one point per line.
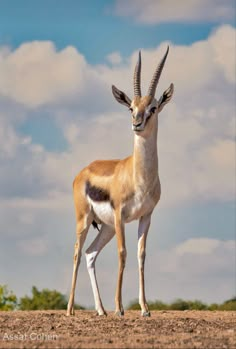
101	313
119	313
70	313
146	313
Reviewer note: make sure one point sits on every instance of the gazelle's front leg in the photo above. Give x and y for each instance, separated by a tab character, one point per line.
143	228
120	234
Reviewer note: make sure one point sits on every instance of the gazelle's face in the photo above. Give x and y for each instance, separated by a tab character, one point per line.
145	109
144	113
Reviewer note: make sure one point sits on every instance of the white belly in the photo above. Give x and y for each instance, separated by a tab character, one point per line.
103	211
132	210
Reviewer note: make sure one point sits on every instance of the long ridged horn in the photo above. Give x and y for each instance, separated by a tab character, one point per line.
156	76
137	77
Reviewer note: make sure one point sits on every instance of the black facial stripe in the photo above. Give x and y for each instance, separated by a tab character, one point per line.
148	117
152	110
96	193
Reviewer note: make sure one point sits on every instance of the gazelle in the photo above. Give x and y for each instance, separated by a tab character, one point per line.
115	192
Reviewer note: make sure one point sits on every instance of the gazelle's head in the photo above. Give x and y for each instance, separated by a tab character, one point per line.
145	109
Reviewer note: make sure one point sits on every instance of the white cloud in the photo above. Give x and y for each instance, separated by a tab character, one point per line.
8	139
152	11
222	43
197	246
36	74
199	256
114	58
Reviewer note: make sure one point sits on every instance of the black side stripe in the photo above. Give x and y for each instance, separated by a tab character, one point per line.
96	193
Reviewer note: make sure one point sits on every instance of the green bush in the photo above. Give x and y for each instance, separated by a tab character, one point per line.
44	300
228	305
157	305
134	305
8	300
213	306
180	304
197	305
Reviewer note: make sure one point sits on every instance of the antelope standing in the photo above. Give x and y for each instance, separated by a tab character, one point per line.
115	192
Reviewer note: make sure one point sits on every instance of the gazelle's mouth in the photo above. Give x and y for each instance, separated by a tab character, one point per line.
138	128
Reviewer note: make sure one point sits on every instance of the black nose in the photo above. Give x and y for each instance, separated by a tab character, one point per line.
137	125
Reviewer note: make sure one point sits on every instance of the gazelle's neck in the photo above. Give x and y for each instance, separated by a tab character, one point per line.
145	159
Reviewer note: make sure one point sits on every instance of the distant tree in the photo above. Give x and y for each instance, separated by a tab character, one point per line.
134	305
197	305
8	300
180	304
229	304
44	300
158	305
213	306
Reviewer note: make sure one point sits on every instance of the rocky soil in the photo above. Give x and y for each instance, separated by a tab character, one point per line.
164	329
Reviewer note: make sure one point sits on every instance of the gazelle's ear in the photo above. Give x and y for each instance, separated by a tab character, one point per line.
165	98
121	96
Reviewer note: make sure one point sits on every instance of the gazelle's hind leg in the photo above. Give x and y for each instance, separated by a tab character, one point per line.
81	233
105	235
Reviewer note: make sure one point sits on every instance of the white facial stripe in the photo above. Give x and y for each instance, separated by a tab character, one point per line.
135	111
148	112
150	106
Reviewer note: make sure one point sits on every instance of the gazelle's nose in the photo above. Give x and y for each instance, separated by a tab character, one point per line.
137	124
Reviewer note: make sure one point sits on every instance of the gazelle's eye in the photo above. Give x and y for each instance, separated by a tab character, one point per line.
131	109
153	109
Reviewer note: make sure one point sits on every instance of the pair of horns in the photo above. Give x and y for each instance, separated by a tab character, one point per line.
155	79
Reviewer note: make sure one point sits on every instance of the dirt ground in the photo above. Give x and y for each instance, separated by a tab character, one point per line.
164	329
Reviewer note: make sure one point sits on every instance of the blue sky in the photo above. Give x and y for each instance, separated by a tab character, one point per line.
58	60
90	26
